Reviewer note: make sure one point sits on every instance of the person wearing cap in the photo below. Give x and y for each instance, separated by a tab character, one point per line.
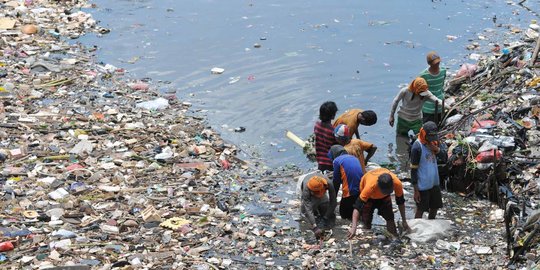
347	174
355	117
324	137
375	189
318	199
410	112
435	77
425	172
355	147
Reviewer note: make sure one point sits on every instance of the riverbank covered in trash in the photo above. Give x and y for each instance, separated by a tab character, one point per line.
101	171
493	139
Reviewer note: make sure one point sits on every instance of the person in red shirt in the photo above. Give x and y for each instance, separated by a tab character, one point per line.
324	135
375	189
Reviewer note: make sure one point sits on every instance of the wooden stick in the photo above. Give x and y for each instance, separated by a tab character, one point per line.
350	248
58	157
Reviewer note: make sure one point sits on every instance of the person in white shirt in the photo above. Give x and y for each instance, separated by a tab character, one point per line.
412	99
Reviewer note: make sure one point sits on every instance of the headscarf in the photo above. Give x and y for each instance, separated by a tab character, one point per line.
422	136
418	86
318	186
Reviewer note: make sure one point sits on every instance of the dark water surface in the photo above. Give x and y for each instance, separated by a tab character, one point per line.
355	53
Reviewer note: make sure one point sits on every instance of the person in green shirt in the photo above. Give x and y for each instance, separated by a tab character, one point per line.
435	77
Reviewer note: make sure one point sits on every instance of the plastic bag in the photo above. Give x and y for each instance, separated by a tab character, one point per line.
467	70
453	119
156	104
484	124
425	230
488	156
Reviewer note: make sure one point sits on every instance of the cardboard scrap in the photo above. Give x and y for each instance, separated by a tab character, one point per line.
7	23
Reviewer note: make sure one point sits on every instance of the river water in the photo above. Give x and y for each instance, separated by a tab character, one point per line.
355	53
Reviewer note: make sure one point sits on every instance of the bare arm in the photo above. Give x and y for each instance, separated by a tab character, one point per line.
434	98
371	151
354	224
434	148
401	208
358	207
355	218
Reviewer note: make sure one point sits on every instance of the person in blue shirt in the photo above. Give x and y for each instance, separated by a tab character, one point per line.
424	171
347	173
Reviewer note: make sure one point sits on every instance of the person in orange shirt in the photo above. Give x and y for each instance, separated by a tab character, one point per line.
375	189
355	117
354	147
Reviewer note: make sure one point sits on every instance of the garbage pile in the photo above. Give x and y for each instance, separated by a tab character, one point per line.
493	138
101	171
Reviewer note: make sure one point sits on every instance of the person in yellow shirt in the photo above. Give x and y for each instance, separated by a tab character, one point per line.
375	189
354	147
355	117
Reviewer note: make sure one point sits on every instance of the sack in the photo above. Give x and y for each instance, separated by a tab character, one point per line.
425	230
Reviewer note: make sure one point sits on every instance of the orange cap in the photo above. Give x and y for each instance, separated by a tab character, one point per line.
317	185
418	86
433	58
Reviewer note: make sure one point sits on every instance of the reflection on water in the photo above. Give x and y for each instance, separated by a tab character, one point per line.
355	53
